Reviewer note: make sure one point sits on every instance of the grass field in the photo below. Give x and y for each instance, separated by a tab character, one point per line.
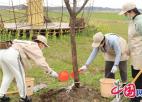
58	55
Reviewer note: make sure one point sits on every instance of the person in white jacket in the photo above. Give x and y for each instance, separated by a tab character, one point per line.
115	51
13	61
134	41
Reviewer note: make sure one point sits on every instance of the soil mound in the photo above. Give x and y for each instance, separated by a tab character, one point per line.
82	94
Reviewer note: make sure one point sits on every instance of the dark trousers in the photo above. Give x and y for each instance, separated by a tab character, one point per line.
122	68
138	83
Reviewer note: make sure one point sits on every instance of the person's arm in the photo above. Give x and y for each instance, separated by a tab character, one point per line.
92	56
89	60
117	49
35	53
116	46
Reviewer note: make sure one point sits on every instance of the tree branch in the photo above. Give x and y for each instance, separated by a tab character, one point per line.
68	7
74	5
85	2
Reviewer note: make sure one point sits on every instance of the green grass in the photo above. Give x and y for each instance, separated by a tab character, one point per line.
58	55
108	16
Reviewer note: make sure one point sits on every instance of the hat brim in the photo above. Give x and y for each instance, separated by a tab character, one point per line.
95	45
122	12
46	45
43	43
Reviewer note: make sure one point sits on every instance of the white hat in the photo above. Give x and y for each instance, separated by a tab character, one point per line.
97	39
42	39
126	7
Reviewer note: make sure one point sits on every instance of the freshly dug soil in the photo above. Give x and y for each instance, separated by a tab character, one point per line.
82	94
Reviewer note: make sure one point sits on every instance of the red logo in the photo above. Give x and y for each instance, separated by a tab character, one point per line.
128	90
116	91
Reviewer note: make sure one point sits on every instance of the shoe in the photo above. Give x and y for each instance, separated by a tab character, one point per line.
4	99
27	99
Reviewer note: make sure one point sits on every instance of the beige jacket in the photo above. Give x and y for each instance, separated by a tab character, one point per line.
110	55
30	50
135	42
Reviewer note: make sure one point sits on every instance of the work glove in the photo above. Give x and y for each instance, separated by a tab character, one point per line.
114	69
53	74
83	68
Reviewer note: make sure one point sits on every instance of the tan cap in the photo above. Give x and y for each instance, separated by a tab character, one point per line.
126	7
97	39
42	39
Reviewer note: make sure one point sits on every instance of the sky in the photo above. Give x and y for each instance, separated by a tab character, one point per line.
95	3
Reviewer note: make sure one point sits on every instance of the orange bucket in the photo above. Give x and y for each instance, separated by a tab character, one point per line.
106	85
63	76
29	85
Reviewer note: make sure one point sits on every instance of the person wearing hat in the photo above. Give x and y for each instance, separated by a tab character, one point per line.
13	61
115	52
134	41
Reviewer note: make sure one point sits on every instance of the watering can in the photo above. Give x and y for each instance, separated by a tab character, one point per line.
65	75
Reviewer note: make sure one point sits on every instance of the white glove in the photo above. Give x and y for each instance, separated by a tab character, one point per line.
53	74
83	68
114	69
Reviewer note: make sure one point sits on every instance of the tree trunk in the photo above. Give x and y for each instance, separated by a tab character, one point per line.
74	52
73	13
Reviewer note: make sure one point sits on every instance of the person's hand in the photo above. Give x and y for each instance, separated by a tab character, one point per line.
83	68
53	74
114	69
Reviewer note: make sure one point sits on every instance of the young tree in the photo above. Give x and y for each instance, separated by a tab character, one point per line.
73	12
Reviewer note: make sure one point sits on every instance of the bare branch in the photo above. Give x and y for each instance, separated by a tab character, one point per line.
68	6
85	2
74	5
